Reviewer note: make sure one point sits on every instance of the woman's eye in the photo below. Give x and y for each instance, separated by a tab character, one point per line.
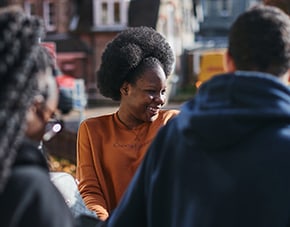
150	91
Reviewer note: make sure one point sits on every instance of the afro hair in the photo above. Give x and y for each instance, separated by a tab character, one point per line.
126	52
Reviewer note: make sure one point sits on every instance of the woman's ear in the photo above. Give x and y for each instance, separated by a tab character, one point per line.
230	64
124	88
35	119
38	106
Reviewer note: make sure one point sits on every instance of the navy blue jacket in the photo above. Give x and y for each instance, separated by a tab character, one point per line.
224	161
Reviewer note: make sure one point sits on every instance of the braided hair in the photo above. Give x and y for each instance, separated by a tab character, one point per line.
123	56
19	64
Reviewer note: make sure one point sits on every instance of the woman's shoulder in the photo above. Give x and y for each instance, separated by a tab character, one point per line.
103	119
169	113
165	115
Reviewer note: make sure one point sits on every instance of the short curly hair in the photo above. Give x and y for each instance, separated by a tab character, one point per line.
126	52
269	53
282	4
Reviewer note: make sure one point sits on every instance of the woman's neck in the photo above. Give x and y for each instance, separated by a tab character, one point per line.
128	121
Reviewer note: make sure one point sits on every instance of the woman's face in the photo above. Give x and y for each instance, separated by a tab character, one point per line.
42	109
142	100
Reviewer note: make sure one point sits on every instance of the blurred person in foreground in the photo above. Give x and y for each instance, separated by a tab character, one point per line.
28	100
282	4
134	71
224	160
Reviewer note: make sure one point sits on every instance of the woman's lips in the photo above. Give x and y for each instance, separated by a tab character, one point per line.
153	110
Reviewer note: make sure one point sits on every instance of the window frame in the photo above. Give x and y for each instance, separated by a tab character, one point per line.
107	19
49	17
225	8
29	7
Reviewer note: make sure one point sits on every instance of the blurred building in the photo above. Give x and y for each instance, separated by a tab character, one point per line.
82	28
220	14
215	19
73	54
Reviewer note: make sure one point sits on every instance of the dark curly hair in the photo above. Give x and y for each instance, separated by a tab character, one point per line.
282	4
269	53
128	55
21	59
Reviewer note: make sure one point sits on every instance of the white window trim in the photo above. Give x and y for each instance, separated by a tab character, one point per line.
27	7
46	16
97	7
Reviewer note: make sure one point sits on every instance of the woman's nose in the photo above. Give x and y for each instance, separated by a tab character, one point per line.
160	98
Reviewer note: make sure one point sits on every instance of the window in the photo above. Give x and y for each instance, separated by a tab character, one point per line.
217	7
117	15
49	15
206	7
225	7
104	13
29	7
110	13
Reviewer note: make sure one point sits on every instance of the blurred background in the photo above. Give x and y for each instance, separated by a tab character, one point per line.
78	30
81	29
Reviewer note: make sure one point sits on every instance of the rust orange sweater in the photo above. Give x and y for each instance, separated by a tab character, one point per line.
108	154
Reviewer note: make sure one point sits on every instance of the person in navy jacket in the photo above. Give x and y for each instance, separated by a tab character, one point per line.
224	160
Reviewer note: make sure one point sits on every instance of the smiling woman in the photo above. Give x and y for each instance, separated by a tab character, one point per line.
134	70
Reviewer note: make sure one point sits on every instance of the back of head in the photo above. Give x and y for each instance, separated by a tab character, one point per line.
282	4
19	54
259	40
125	54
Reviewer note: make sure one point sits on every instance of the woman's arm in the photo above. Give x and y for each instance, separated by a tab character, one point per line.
87	178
